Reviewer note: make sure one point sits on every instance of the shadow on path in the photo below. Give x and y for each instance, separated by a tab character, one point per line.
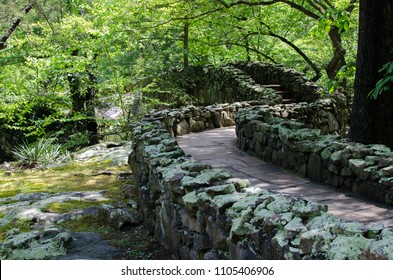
217	147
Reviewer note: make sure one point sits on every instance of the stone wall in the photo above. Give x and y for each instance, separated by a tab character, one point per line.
227	84
366	170
199	212
292	80
322	114
196	118
202	213
238	82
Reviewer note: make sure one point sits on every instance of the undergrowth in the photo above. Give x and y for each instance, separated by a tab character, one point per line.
44	151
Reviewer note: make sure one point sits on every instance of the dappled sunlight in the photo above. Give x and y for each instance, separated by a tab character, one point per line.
70	177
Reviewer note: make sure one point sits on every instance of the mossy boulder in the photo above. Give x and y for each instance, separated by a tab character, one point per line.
118	217
348	247
34	245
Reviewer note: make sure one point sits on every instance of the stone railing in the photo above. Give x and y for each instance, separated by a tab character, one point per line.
196	118
321	114
239	82
198	212
227	84
292	80
366	170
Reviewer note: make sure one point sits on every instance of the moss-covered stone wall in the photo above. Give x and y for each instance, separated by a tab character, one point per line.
196	118
245	81
227	84
292	80
366	170
199	212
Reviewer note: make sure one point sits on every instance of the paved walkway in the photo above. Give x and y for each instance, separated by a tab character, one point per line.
217	148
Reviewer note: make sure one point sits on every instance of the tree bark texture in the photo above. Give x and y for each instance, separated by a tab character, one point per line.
185	44
372	120
338	60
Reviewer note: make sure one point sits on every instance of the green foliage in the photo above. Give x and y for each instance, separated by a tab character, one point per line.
45	151
31	116
74	141
339	18
114	53
345	75
385	84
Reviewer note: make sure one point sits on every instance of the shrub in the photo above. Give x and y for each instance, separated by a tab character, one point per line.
44	151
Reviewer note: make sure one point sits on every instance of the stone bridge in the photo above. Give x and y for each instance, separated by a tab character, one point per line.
208	199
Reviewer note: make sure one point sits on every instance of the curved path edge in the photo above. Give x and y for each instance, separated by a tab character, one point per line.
217	147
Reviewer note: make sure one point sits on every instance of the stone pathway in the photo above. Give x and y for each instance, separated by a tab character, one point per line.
217	147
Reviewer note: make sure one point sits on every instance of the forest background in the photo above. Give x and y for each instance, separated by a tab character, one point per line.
65	64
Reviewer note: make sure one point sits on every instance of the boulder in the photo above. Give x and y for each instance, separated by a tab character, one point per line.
118	217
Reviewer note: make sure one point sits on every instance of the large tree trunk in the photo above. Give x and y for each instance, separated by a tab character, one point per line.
372	120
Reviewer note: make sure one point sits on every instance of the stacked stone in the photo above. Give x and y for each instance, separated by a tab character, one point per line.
229	84
364	169
196	118
290	79
202	213
321	114
300	87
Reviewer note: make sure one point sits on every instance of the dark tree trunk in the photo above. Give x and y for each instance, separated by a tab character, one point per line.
338	59
185	44
91	123
78	100
247	47
14	25
372	120
83	103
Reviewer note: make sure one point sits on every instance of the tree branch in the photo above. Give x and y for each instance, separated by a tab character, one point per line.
312	4
294	47
256	51
323	6
301	53
241	2
330	4
42	12
14	25
338	59
186	18
272	2
244	46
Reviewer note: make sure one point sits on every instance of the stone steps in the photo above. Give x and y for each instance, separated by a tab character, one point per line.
281	90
